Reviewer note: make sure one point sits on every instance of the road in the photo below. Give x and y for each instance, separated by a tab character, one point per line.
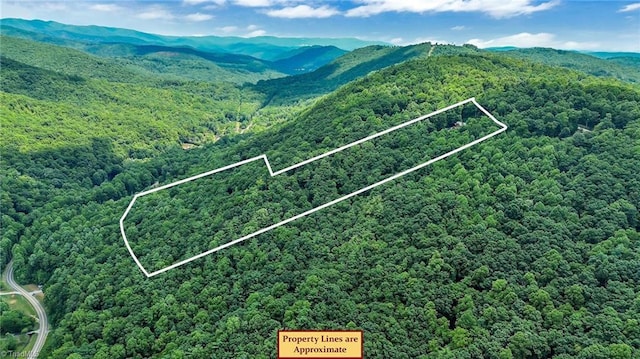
43	322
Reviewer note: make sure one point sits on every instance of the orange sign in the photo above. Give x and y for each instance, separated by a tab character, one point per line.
315	344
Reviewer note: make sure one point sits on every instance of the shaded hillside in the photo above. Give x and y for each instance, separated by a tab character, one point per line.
140	63
244	62
164	61
177	65
629	61
197	65
307	59
301	60
525	246
344	69
67	61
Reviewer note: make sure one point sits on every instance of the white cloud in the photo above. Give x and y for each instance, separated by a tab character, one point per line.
105	7
495	8
262	3
542	39
256	33
156	13
52	6
198	2
228	29
458	28
630	7
303	11
254	30
253	3
198	17
396	41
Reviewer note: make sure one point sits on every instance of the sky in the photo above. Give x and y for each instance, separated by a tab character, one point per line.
591	25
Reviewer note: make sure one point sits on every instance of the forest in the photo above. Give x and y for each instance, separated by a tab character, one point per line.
524	246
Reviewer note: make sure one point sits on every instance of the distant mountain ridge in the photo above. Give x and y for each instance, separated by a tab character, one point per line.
241	60
208	58
623	68
263	47
611	55
599	54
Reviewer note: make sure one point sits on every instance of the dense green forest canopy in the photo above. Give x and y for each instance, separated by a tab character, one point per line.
286	195
47	109
526	246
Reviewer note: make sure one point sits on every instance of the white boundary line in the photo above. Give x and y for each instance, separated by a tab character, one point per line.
503	128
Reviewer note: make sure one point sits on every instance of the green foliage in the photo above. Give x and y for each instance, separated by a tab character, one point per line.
623	68
346	68
142	63
46	110
626	61
308	187
71	62
173	64
13	321
525	246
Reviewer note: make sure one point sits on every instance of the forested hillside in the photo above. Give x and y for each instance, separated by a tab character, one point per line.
625	69
66	61
525	246
347	68
137	63
47	109
75	118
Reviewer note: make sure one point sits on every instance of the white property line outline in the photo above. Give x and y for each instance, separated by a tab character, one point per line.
263	157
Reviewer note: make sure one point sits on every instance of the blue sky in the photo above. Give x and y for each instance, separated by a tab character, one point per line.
565	24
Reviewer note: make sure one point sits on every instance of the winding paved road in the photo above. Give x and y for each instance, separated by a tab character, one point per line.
43	328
